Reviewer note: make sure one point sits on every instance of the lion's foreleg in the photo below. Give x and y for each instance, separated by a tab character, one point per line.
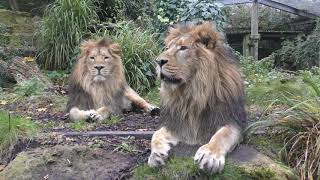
211	156
76	114
161	143
139	101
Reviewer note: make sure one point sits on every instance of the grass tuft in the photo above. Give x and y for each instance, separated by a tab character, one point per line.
140	48
64	24
14	128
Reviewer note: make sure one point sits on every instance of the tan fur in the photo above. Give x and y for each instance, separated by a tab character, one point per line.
97	86
202	94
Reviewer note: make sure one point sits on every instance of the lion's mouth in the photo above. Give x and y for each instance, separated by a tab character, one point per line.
169	79
99	77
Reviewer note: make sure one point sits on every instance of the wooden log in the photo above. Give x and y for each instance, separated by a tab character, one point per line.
136	134
23	69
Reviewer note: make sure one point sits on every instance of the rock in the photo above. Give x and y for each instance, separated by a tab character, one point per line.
16	28
246	158
75	162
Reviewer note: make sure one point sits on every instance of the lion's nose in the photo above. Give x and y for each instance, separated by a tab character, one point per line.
161	62
99	67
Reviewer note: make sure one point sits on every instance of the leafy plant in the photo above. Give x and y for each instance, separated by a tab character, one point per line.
58	77
170	12
140	48
64	24
30	87
14	128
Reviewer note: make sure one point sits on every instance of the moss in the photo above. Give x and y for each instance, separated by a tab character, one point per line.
112	120
268	144
184	168
81	125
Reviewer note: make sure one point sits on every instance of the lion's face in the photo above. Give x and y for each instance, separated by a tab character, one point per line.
178	63
181	59
101	60
100	63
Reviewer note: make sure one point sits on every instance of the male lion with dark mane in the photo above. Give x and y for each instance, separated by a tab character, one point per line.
97	86
202	97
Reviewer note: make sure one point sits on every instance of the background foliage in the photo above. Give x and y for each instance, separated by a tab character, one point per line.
170	12
63	26
140	48
301	53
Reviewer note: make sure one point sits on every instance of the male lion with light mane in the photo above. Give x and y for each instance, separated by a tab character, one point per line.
202	97
97	86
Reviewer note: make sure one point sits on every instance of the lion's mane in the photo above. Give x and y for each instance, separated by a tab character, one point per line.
214	96
86	94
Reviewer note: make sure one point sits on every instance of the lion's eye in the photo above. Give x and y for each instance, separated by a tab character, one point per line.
166	48
183	48
92	58
106	58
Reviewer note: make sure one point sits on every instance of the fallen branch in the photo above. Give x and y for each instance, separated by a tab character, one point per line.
136	134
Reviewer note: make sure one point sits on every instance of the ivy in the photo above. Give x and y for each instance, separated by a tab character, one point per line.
173	11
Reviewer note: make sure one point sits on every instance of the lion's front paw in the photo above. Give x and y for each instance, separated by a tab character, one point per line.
94	116
153	110
156	160
209	160
159	154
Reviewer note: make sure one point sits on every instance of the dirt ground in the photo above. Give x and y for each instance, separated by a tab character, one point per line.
104	157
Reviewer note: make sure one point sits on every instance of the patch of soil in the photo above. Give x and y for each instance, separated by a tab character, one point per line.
20	146
134	122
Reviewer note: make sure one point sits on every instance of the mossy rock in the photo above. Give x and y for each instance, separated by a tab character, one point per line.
14	17
67	162
245	163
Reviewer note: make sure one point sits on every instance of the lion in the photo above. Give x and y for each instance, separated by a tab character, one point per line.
97	85
202	97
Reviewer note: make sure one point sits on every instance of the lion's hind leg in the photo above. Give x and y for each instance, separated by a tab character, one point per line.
211	157
140	102
161	143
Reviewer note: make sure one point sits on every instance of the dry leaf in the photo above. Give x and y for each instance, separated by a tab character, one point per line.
3	102
2	167
28	59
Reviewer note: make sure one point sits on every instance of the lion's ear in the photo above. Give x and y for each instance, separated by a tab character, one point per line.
115	49
206	34
86	45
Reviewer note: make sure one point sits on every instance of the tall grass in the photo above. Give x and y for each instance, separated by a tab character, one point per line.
299	122
61	31
140	48
14	128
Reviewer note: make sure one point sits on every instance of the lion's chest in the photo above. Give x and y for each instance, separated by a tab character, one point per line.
112	98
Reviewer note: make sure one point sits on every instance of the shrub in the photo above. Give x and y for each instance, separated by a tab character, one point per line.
64	24
30	87
301	53
253	70
140	47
